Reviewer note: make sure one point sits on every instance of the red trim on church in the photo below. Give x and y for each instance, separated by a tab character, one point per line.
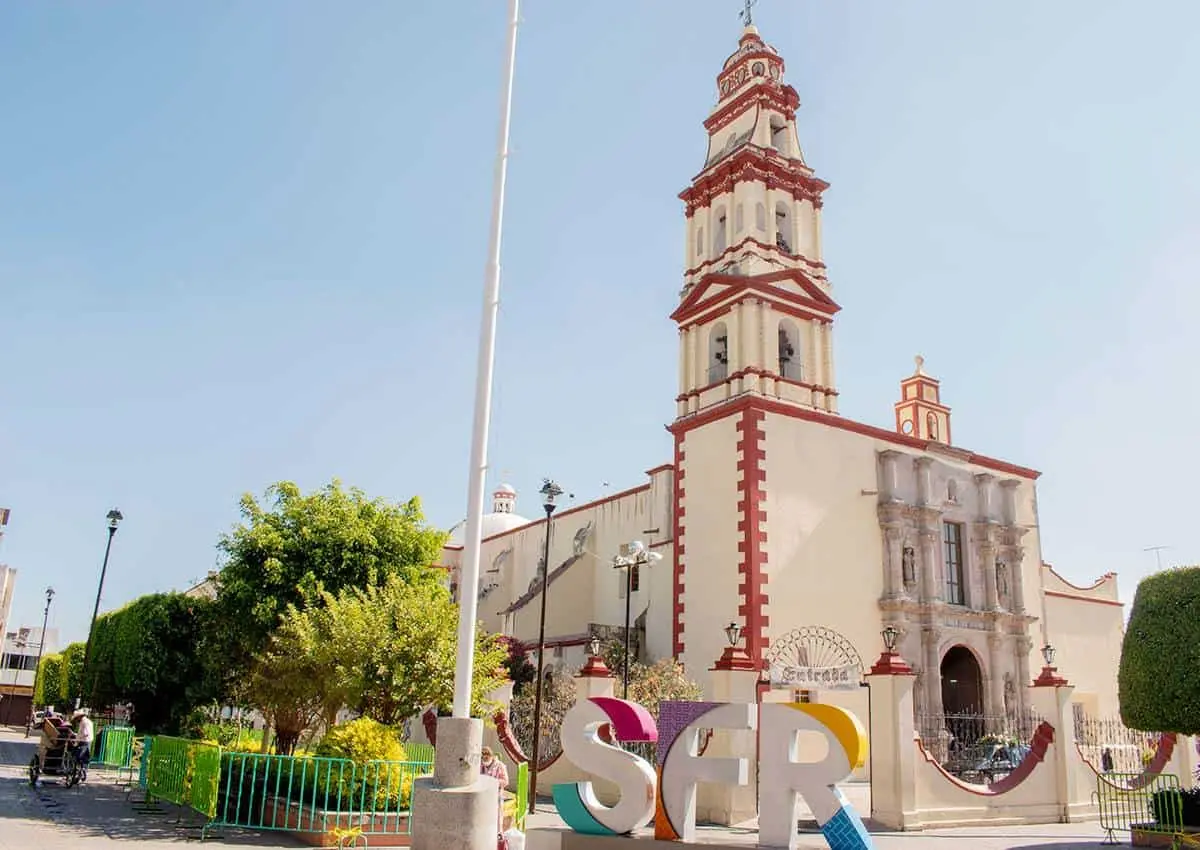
754	370
784	98
729	286
752	526
816	265
678	552
748	164
718	411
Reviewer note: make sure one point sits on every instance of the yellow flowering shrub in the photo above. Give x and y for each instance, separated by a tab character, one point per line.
378	779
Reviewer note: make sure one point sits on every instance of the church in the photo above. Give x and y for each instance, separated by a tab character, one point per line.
807	532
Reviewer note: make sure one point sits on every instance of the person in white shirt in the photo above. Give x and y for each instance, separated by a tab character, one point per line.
82	738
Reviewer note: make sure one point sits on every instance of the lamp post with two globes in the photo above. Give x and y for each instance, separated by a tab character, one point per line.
633	557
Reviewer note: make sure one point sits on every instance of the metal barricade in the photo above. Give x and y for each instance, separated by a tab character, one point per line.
315	794
1142	801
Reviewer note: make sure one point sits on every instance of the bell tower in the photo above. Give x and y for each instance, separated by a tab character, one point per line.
755	312
920	412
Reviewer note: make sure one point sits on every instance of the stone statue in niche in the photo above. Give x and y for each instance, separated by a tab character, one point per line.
1010	693
908	566
1002	580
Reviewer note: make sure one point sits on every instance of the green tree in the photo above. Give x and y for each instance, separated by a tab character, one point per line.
157	658
295	546
387	650
665	679
1159	678
51	684
73	671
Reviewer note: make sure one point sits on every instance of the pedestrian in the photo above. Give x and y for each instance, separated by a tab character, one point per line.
82	739
1106	760
491	766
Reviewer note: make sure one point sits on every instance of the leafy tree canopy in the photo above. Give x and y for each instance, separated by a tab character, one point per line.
151	654
295	546
1159	680
388	650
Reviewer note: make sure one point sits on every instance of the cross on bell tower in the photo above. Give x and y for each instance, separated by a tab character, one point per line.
756	310
747	14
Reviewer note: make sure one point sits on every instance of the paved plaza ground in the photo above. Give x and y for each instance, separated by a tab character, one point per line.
97	815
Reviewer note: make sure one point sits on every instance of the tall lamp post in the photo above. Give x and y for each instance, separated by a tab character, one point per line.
37	665
114	518
634	557
550	492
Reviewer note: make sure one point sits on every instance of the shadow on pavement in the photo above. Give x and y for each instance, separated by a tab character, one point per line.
100	808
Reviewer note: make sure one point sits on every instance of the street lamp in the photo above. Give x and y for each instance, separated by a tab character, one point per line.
114	518
37	666
635	556
733	632
890	634
550	492
1048	654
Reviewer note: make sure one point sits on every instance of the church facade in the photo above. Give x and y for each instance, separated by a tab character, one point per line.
808	531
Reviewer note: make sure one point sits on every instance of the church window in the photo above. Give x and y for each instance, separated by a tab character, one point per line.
721	237
790	365
951	490
952	540
635	578
783	228
699	242
779	139
739	221
931	426
802	696
718	353
760	217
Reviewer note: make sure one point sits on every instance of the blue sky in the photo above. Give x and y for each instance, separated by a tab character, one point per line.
244	241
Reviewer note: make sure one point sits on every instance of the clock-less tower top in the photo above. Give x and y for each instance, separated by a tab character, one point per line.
755	312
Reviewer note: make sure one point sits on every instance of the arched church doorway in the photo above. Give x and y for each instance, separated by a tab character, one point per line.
962	682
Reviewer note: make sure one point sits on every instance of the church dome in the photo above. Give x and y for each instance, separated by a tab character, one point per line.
502	518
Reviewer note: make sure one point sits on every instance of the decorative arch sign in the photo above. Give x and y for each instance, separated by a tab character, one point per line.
814	658
666	793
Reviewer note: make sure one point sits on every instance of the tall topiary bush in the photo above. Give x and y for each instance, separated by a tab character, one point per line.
1159	678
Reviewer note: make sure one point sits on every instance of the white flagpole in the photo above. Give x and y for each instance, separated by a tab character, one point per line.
468	586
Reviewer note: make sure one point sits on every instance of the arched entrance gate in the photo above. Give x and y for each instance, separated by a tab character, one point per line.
814	658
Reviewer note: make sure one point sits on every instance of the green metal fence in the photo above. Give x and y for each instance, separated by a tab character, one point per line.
116	747
1147	802
186	773
422	753
522	801
315	794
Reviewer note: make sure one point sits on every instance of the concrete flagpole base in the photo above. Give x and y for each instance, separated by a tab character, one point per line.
458	808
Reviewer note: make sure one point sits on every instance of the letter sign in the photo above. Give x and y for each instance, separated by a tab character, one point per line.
668	794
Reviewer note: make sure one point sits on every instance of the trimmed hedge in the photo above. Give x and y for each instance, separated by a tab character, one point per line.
1160	658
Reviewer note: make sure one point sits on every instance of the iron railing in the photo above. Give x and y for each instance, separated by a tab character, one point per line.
976	747
1111	747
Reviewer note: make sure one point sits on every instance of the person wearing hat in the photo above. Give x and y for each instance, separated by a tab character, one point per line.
82	738
489	765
